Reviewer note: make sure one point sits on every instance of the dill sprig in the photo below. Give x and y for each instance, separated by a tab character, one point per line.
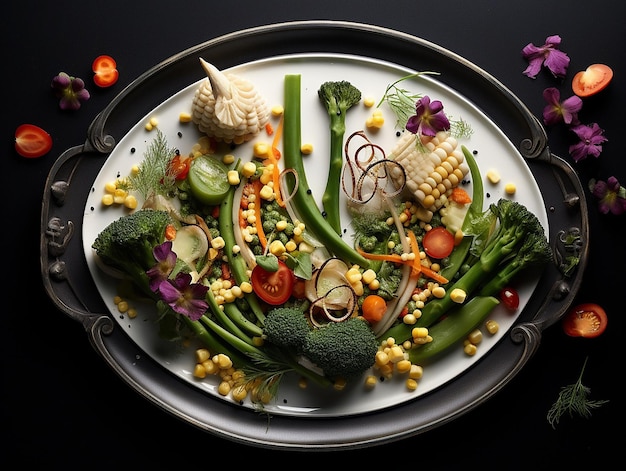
402	102
152	177
573	399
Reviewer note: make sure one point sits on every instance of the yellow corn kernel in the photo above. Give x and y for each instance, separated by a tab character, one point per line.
132	313
475	336
409	319
248	169
199	371
239	392
107	200
228	159
416	372
411	384
110	187
202	354
267	193
281	225
218	243
403	366
130	202
233	177
370	381
210	367
492	326
419	332
396	354
224	388
493	176
306	148
381	358
246	287
439	291
369	275
277	111
224	361
339	384
184	117
369	101
261	149
510	188
277	248
291	246
470	349
458	296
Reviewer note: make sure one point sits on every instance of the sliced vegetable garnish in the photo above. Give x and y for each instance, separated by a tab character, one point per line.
208	179
373	308
178	167
592	80
587	320
273	287
105	69
32	141
438	242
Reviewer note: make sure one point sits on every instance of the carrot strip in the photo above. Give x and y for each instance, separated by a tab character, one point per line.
416	266
460	196
258	223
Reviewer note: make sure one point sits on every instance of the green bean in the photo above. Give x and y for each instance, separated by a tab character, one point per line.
303	199
452	329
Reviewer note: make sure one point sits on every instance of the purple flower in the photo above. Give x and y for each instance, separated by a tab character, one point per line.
591	139
70	90
166	261
549	55
611	195
557	111
429	118
185	297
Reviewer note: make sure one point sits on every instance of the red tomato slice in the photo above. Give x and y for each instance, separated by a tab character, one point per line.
592	80
438	242
105	70
178	167
586	320
31	141
273	287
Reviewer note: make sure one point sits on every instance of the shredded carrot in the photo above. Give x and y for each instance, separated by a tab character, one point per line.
258	223
269	129
273	157
226	273
416	266
459	195
170	232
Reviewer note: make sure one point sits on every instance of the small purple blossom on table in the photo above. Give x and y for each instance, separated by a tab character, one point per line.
557	111
547	55
70	90
611	195
428	119
591	138
185	297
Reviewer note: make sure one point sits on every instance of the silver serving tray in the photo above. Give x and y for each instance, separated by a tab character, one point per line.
68	282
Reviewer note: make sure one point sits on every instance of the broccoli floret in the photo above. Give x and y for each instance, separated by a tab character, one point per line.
337	98
286	327
127	243
342	349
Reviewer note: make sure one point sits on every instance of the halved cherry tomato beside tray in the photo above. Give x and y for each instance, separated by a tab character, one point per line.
105	69
592	80
587	320
32	141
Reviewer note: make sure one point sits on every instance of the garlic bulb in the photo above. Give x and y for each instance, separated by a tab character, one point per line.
227	107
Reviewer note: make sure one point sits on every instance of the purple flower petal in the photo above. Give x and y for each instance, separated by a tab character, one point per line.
549	55
591	139
184	297
610	195
557	111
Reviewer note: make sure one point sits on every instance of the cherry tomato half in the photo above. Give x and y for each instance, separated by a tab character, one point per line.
586	320
105	69
178	167
509	298
273	287
438	242
592	80
31	141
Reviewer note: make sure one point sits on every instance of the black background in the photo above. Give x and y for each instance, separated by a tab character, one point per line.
62	407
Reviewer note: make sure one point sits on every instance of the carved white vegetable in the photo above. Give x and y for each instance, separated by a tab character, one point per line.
227	107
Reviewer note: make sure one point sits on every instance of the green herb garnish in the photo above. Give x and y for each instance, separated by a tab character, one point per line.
572	399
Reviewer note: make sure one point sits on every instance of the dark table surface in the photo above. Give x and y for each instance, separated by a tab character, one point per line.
63	407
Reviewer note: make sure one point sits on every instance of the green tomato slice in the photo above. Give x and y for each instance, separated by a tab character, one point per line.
208	180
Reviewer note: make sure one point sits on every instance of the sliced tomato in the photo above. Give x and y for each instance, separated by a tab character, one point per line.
438	242
509	298
31	141
178	167
105	69
273	287
586	320
592	80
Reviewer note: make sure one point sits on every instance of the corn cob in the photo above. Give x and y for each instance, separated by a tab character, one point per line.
432	170
227	107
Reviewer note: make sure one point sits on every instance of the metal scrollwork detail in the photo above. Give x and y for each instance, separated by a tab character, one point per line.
567	250
59	236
